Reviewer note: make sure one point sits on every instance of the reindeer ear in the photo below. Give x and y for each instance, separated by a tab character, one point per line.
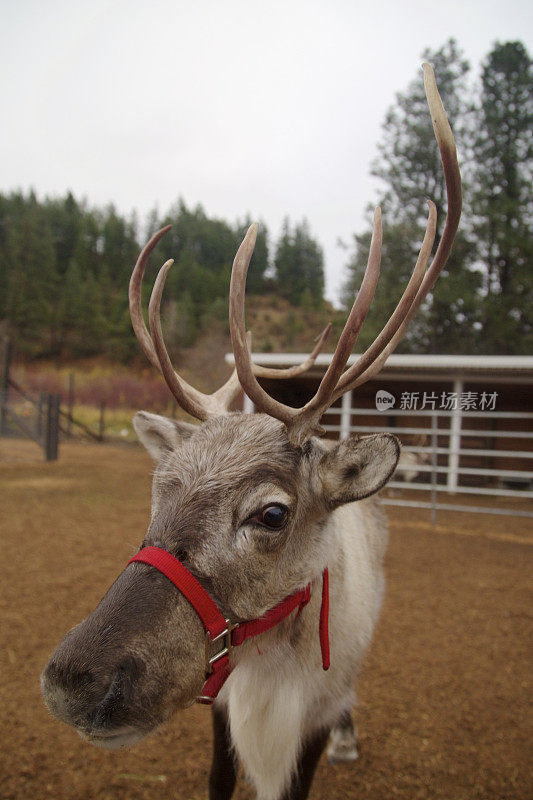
159	434
357	467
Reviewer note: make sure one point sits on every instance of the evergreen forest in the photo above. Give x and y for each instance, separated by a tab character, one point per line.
65	265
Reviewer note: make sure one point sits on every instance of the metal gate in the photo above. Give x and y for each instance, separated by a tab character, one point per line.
458	458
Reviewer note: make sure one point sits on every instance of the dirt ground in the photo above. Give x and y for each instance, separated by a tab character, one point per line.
444	698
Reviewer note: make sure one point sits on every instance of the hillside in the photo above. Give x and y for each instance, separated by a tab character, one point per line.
276	326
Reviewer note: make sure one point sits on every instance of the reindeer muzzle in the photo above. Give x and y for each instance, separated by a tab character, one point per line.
222	634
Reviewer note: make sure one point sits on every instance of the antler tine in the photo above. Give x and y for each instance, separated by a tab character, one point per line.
302	420
348	337
190	399
194	402
299	369
400	312
243	359
135	296
227	393
452	176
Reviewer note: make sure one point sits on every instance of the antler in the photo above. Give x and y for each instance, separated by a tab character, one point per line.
298	369
303	422
196	403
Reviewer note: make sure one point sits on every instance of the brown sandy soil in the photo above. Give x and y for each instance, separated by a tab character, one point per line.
443	698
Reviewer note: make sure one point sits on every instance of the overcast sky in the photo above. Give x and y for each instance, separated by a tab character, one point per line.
267	108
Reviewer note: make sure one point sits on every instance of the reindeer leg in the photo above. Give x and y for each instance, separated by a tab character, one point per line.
343	740
223	775
307	763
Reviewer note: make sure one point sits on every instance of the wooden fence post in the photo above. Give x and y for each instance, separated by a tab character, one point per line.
70	402
41	404
51	445
4	387
101	426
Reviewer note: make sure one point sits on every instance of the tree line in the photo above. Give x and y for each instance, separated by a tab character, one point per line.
483	301
65	267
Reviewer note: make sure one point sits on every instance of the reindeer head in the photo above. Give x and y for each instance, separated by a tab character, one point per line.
243	501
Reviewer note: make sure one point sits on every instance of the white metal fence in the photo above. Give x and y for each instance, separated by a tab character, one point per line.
447	465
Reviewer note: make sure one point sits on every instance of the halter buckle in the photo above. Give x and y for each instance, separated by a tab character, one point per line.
210	656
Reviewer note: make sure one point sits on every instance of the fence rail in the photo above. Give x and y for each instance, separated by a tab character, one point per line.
455	462
39	421
71	420
39	416
453	507
467	470
472	452
440	431
426	412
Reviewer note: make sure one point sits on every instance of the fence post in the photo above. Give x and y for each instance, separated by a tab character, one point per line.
70	402
101	424
346	415
51	445
41	403
434	445
455	438
4	388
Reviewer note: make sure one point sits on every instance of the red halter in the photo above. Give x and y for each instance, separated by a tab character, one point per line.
217	627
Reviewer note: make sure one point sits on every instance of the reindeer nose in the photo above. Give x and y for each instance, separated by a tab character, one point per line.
82	699
113	708
65	678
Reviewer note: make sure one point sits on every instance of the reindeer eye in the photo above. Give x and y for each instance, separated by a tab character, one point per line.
273	516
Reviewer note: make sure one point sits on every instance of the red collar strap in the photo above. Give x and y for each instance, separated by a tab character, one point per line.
221	631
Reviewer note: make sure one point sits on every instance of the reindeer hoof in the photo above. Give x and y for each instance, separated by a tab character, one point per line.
342	746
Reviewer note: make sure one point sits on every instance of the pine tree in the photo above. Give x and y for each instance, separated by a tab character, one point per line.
410	167
32	281
299	265
503	171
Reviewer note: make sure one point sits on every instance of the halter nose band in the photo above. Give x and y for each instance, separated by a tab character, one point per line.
213	621
218	628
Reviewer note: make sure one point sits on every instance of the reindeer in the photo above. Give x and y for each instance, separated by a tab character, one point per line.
259	581
409	463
